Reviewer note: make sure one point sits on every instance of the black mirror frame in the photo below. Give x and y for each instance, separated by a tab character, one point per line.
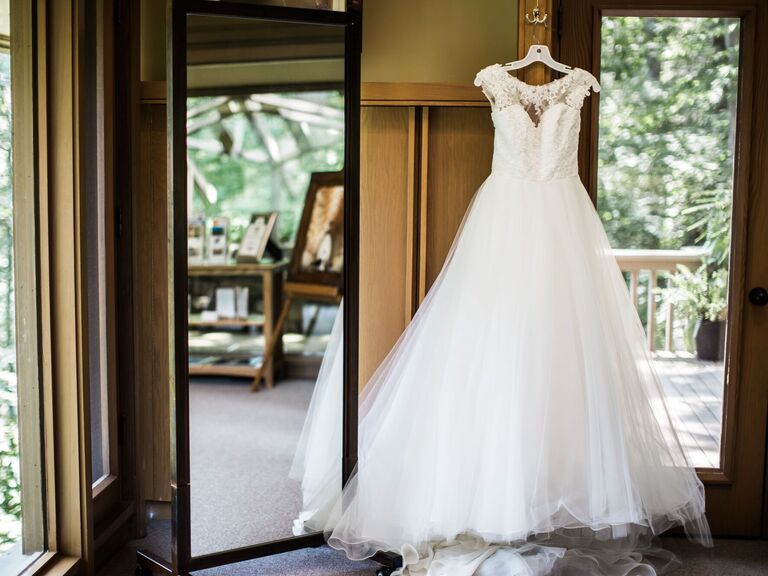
182	562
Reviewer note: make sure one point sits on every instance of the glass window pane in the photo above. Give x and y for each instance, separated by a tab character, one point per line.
665	188
98	375
97	253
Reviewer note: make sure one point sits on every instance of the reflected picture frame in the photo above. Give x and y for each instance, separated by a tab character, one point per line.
256	237
318	252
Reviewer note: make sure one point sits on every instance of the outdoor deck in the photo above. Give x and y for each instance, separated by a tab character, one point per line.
694	390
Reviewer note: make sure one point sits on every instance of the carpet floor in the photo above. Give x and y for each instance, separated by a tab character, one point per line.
322	561
241	449
727	558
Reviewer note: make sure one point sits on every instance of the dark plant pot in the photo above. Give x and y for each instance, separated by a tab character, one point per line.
710	340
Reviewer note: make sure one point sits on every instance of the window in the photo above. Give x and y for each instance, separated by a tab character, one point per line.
665	195
272	142
22	529
100	243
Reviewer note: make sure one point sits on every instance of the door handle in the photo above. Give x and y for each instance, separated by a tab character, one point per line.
758	296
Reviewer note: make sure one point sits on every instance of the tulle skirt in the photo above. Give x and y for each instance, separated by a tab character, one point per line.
518	426
317	460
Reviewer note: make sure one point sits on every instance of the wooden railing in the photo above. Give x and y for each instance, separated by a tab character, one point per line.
655	261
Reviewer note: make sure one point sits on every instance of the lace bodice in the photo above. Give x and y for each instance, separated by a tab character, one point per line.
537	127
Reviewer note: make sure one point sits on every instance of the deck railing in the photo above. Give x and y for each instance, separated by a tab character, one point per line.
653	262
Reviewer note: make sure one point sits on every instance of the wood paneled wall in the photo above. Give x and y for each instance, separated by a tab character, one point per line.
386	229
151	301
460	146
425	150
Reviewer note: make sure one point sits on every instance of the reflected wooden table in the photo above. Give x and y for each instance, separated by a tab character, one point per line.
271	284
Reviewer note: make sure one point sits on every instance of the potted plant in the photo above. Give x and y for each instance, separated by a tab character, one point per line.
701	296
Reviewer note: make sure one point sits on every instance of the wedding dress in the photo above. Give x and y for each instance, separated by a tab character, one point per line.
518	427
317	459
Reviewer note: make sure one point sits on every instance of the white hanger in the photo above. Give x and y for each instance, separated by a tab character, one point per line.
541	53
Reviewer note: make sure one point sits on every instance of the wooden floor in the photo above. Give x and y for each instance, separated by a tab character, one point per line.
694	390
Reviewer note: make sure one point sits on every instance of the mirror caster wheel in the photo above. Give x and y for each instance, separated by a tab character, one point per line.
142	571
384	571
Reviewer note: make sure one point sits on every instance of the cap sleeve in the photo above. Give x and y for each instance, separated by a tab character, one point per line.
580	88
487	79
482	77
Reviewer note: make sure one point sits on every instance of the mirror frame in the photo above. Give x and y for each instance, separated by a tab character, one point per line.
182	561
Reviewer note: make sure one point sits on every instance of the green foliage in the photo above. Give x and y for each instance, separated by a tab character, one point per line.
665	152
699	294
10	491
244	186
712	224
10	487
668	107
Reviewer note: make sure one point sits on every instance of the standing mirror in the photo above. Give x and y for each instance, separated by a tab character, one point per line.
263	156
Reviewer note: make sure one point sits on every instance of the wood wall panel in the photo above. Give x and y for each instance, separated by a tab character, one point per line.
384	230
151	253
459	149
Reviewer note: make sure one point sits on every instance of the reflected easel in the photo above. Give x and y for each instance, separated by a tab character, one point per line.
291	292
315	271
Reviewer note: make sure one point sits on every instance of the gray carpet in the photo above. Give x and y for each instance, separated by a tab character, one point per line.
321	561
242	446
727	558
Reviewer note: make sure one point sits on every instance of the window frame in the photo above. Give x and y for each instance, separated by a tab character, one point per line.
56	168
26	279
99	184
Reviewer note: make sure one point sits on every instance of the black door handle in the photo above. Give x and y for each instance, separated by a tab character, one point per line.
758	296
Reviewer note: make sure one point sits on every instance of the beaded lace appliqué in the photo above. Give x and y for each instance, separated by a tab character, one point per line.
504	90
537	127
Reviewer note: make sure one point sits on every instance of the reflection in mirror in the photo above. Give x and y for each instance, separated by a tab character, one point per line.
265	180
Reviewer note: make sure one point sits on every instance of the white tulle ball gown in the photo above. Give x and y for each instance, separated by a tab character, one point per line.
317	460
518	427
